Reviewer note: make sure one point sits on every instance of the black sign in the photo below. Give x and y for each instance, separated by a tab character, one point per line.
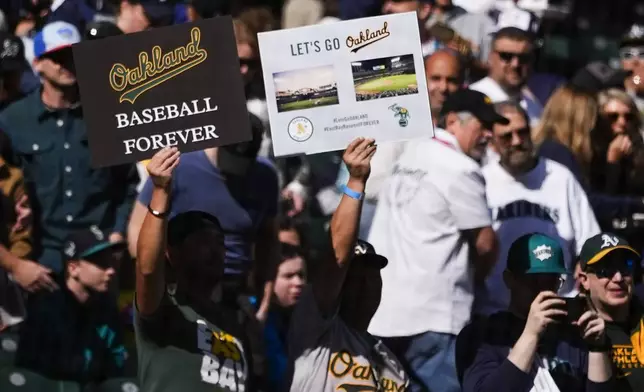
174	86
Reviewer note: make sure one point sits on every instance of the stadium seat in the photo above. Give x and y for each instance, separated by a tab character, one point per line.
13	379
8	347
117	385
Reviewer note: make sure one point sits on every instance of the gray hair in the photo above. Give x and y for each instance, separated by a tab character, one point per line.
511	106
463	117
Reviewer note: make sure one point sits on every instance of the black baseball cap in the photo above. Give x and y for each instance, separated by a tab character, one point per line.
364	252
596	248
12	53
598	76
183	224
475	102
87	243
633	37
101	29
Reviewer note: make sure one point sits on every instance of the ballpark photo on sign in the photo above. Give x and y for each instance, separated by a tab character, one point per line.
305	88
384	77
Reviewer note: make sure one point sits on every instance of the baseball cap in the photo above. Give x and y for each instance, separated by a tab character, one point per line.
183	224
365	252
87	243
475	102
12	53
597	247
598	76
159	12
536	253
101	29
55	36
633	37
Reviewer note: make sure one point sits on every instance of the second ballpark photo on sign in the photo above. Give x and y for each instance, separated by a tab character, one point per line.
328	84
384	78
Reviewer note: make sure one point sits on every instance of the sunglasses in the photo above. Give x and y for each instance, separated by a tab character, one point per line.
608	271
614	116
632	53
507	137
508	57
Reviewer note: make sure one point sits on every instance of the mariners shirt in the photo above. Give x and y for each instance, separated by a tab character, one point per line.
330	356
548	200
182	350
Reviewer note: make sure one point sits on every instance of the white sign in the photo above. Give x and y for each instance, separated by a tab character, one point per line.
328	84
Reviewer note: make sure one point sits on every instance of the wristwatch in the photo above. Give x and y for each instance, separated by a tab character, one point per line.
156	213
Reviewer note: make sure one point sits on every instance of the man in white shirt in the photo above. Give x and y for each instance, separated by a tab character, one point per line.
510	65
433	224
444	74
530	194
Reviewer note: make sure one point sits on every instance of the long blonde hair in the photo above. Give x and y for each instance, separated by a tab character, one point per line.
568	118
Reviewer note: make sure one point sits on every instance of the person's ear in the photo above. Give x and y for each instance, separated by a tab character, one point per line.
450	120
73	269
584	281
424	11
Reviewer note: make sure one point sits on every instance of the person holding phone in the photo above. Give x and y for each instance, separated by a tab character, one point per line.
609	270
534	345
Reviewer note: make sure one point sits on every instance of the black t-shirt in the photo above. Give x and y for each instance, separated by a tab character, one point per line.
182	350
63	339
629	370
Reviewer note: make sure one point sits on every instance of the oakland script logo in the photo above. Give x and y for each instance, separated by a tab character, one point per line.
156	68
366	38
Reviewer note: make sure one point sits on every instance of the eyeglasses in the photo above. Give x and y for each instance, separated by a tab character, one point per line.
614	116
507	57
632	53
608	271
522	133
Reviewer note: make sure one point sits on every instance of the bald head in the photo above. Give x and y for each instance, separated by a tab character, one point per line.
444	76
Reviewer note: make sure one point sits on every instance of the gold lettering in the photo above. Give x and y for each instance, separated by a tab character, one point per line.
155	66
362	372
367	37
341	364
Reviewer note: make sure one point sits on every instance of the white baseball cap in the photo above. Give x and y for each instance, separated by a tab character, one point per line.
55	36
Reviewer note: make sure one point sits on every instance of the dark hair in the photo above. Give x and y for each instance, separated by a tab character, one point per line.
514	34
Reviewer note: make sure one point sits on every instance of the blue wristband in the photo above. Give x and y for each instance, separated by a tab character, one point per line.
351	193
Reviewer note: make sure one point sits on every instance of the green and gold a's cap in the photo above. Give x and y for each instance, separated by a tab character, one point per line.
597	247
536	253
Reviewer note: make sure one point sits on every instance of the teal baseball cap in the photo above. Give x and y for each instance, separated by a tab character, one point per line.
536	253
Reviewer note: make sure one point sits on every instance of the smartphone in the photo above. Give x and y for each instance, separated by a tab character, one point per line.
575	307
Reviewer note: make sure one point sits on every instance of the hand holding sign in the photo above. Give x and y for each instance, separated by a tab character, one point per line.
357	157
162	165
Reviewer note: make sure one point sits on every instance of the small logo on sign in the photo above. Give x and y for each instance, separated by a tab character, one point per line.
402	114
367	37
300	129
543	252
156	68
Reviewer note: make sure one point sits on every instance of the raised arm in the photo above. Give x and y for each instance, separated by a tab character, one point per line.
150	263
344	225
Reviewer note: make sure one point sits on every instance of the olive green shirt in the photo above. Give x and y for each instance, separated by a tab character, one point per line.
180	350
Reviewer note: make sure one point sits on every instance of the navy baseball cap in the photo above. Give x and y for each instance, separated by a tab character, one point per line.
86	244
159	12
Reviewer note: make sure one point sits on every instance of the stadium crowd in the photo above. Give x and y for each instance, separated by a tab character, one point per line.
503	253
